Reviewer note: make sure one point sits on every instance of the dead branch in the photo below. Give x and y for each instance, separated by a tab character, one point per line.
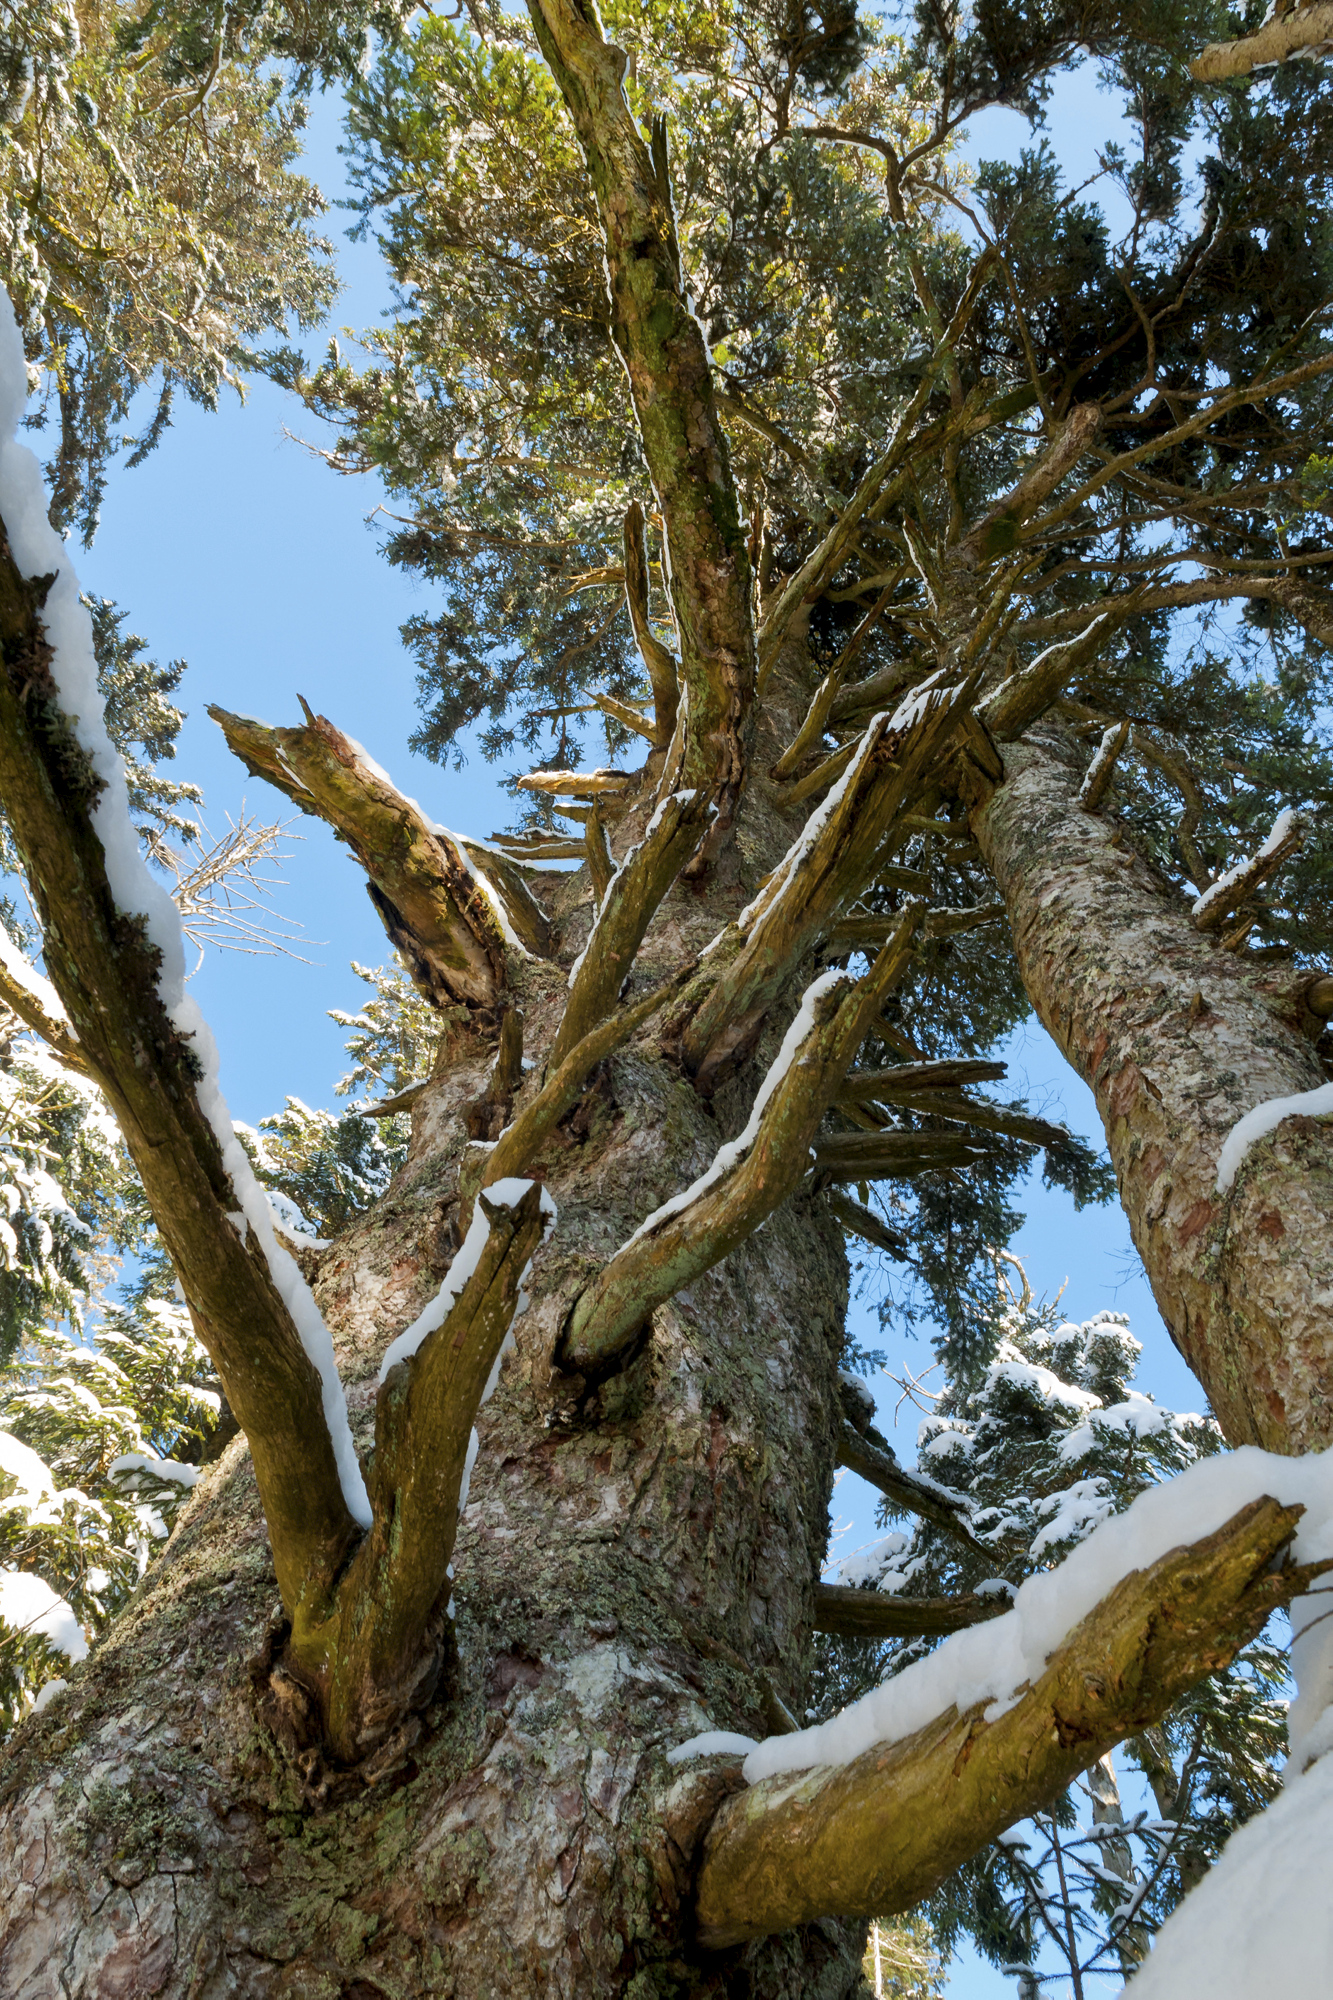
867	1455
888	1086
879	1156
626	910
37	1004
663	669
1216	904
1102	768
831	859
426	891
873	1614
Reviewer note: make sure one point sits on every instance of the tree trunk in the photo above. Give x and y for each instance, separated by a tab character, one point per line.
624	1549
1179	1039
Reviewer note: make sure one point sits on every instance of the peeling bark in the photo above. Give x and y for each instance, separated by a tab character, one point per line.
1179	1039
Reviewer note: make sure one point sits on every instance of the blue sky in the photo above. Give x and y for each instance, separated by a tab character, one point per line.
241	552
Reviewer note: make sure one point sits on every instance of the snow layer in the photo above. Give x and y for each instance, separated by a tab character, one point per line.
28	977
18	1461
735	1150
501	1194
990	1663
38	551
1221	888
1261	1921
31	1606
1266	1118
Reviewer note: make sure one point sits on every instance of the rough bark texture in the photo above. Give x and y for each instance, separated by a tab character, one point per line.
164	1827
1179	1039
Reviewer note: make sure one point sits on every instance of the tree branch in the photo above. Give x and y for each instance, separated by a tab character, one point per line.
831	859
874	1614
425	889
105	971
37	1004
1307	30
382	1648
671	386
663	669
626	910
867	1455
881	1832
749	1178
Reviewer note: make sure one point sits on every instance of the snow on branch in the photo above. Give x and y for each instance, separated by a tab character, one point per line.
38	1005
1266	1118
1211	910
750	1176
1284	32
115	952
830	860
447	917
394	1604
873	1809
625	912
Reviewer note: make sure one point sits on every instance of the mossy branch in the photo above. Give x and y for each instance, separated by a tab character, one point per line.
882	1832
106	975
832	859
378	1655
671	387
873	1614
424	886
748	1180
626	910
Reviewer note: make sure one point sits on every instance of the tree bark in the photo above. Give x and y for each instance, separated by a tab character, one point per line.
1179	1038
169	1827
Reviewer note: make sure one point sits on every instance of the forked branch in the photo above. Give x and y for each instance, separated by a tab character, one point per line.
671	386
832	859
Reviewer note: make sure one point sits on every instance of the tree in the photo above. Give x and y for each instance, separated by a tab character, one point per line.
899	521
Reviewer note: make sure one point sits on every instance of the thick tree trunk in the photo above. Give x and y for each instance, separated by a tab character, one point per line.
636	1562
1179	1039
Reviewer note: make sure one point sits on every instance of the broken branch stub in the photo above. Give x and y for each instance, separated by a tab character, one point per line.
881	1832
748	1179
424	888
832	858
394	1598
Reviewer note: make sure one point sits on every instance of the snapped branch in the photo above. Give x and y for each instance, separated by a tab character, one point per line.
882	1831
750	1177
428	893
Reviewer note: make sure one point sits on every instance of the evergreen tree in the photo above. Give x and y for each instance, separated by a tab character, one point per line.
888	506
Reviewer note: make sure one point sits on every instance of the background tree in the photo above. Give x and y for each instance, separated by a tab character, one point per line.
904	515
